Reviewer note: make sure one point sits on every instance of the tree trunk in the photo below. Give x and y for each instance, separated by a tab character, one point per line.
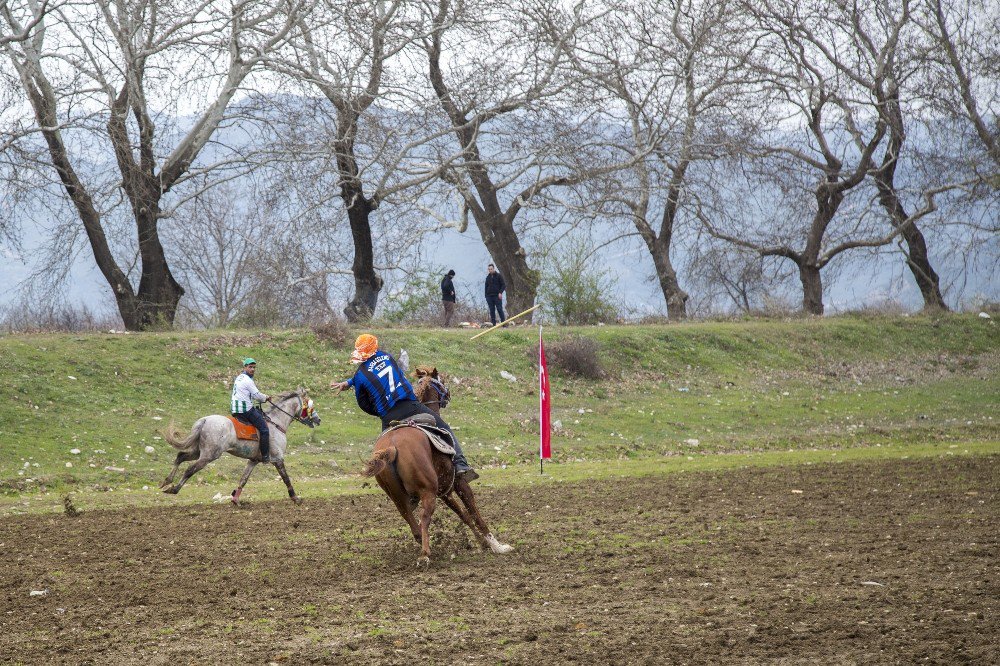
155	302
916	256
504	247
367	284
829	196
885	181
812	288
675	297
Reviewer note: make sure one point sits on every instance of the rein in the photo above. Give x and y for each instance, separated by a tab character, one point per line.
294	417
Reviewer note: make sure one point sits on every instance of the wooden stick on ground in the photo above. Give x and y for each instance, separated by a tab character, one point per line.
493	328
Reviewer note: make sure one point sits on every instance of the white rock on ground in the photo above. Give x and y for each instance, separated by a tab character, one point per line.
509	377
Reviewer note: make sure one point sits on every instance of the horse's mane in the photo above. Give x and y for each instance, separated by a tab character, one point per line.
281	397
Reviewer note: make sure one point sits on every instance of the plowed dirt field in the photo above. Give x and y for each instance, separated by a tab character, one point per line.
869	563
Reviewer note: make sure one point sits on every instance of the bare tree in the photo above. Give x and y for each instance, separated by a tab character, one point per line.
349	50
888	49
678	73
100	79
965	81
217	253
826	140
728	273
517	143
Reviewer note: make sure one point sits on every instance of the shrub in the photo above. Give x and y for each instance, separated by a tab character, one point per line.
334	332
420	304
417	302
574	290
35	315
574	356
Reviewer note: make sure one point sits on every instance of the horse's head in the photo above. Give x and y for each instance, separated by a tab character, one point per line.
430	390
422	371
300	406
307	411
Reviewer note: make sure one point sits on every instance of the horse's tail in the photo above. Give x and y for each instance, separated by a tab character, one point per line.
179	440
380	461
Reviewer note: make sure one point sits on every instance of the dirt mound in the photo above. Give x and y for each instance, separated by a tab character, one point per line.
889	562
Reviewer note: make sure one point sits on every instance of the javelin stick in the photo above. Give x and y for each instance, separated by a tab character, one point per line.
493	328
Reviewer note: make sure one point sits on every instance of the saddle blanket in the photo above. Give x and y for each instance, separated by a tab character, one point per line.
439	437
245	431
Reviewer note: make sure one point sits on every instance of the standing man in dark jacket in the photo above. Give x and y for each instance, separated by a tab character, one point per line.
494	293
448	297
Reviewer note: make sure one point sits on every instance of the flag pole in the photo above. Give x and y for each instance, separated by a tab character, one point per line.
541	402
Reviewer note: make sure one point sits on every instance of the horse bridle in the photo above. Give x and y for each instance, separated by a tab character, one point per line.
294	416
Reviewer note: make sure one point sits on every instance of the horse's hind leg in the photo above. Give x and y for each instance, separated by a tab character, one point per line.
243	481
402	501
182	457
457	508
188	473
428	500
280	464
469	499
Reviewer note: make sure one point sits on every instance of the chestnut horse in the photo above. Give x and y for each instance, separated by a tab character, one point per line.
411	471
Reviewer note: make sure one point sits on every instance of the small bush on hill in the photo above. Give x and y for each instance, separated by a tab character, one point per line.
334	332
575	356
575	290
37	315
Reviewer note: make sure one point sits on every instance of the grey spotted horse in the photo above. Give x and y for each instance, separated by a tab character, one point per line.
211	436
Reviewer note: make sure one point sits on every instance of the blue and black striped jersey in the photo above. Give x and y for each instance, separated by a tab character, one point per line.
379	384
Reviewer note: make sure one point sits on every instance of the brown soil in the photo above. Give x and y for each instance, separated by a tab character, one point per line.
889	562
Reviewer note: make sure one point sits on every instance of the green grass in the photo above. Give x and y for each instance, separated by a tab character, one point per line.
737	387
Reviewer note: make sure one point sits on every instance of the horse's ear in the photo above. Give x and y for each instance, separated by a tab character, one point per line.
434	373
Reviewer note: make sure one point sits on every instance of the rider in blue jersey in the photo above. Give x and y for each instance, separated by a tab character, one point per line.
382	390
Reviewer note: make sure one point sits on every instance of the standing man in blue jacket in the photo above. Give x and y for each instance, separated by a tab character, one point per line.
494	293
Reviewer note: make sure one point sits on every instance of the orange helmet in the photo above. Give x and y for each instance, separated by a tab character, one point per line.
364	347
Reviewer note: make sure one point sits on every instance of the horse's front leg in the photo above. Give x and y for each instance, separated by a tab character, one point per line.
243	481
464	491
457	508
280	464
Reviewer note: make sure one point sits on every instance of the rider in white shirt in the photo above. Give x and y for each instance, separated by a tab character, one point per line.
242	407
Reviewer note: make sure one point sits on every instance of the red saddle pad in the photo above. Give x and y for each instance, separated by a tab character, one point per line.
244	431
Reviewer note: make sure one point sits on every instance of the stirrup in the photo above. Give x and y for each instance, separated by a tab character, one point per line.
469	475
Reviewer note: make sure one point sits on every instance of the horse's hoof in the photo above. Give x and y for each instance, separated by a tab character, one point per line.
171	491
296	499
423	561
496	546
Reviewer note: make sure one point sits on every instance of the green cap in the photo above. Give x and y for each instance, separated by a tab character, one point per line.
248	361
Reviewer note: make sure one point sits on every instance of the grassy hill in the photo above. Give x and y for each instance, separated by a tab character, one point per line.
684	391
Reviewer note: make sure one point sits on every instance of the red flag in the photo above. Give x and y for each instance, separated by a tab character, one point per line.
544	403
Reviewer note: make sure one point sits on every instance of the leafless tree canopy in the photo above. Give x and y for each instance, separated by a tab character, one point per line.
280	161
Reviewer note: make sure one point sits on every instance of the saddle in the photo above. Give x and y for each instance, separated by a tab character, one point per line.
439	437
245	430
